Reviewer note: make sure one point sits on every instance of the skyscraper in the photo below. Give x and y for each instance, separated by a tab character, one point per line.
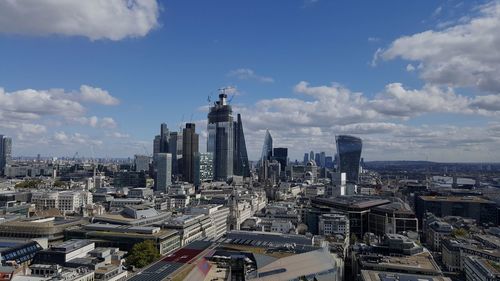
349	155
221	137
306	158
190	141
141	163
241	166
317	157
172	149
160	143
311	155
322	159
267	148
5	153
204	167
163	171
280	154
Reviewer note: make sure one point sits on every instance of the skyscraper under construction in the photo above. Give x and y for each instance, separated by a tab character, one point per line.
220	140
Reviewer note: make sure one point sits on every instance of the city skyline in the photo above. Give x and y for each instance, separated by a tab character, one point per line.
410	87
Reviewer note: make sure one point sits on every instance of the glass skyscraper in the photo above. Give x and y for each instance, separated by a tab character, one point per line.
267	148
220	140
190	148
5	153
280	154
163	171
349	155
241	165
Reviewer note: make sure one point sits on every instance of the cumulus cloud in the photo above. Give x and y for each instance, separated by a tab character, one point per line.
313	118
397	101
94	19
463	55
249	74
97	95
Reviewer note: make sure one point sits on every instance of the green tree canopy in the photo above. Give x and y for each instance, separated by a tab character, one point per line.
143	254
29	184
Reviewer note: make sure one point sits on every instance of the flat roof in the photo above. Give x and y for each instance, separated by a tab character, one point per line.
474	199
371	275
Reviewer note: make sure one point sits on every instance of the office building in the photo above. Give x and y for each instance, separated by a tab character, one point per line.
241	164
221	137
281	155
5	153
163	164
267	148
160	144
190	141
393	218
141	163
204	167
172	149
322	159
306	158
478	269
349	155
482	210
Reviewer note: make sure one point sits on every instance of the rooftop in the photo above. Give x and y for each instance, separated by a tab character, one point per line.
370	275
474	199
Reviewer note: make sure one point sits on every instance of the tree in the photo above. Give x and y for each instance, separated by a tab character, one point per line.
459	232
29	184
353	239
143	254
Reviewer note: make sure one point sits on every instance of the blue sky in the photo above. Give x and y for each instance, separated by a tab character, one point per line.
395	73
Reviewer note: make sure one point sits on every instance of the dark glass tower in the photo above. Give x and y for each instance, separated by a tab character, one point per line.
280	154
241	166
160	143
190	141
220	140
267	148
349	155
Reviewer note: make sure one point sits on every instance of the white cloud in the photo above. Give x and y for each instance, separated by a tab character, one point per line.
108	122
463	55
249	74
410	68
395	100
312	120
95	19
97	95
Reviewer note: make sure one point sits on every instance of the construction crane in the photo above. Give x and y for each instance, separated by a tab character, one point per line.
224	89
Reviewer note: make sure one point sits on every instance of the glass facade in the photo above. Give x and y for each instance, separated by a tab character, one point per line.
220	140
267	148
349	156
241	165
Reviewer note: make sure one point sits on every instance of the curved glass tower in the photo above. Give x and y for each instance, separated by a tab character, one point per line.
349	156
267	148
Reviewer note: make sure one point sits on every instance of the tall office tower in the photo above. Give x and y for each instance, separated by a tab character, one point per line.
317	159
220	138
5	153
311	155
203	167
306	158
349	155
322	159
172	149
267	148
141	163
163	169
190	141
160	143
241	166
280	154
